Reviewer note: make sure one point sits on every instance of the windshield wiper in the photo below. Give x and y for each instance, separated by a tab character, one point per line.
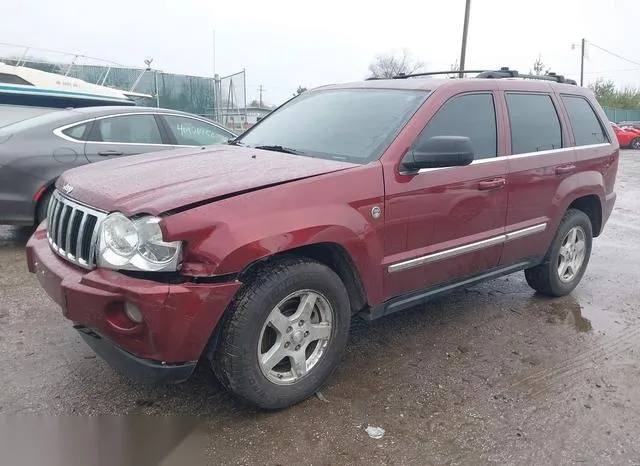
286	150
235	142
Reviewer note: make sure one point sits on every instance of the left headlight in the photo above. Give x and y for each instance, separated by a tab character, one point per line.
126	244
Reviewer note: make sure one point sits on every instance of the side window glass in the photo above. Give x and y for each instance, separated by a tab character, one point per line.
586	127
191	132
534	122
132	129
76	132
473	116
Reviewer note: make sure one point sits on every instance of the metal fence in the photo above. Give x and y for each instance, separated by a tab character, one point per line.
222	99
617	115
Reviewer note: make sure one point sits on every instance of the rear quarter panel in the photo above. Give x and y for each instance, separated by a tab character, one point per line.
29	163
226	236
596	167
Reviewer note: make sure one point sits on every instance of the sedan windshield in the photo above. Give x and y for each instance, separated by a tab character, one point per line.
355	125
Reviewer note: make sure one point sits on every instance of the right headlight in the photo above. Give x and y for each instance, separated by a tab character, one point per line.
125	244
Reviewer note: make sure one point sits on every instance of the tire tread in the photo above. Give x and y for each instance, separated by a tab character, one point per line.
540	277
226	362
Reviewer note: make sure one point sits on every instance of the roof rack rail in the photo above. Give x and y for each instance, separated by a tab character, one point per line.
505	72
502	73
428	73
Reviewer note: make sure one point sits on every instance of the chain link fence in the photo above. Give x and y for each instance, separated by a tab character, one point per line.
617	115
222	99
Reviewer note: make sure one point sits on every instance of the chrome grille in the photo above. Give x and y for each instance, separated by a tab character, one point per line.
72	230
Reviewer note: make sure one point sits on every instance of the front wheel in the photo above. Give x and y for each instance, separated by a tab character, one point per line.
635	144
285	334
567	258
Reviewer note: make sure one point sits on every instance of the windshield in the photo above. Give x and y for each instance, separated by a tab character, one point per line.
356	125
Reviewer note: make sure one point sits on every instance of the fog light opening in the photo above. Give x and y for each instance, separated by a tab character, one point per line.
133	312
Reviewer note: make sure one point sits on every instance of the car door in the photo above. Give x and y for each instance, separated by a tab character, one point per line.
454	217
125	134
190	131
541	158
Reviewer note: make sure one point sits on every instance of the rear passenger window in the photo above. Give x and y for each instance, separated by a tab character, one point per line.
535	125
76	132
584	122
471	115
129	129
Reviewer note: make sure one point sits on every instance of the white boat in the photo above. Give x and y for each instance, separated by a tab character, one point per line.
26	92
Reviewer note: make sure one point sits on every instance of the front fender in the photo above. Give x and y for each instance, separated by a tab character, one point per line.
229	247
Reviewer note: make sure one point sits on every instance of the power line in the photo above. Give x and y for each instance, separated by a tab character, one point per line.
614	71
614	54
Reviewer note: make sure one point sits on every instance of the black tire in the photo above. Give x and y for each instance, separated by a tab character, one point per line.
43	206
545	278
635	144
235	360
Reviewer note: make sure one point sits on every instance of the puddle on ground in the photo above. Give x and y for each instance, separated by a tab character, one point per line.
569	311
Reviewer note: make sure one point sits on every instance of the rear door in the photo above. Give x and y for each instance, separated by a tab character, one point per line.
123	135
540	158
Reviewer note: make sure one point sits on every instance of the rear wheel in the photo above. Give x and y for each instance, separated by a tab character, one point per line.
635	144
285	334
43	206
567	258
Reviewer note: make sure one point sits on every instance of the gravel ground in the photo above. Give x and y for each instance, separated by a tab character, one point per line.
492	374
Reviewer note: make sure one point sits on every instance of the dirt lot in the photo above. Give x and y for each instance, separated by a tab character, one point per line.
494	374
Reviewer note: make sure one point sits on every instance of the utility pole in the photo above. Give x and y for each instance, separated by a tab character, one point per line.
465	30
260	89
582	62
214	52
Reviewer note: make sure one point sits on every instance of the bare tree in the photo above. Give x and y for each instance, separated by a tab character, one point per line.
539	67
300	90
455	68
387	66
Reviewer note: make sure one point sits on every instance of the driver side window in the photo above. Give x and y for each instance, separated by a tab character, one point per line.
469	115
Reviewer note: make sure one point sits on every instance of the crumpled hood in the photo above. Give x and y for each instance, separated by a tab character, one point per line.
159	182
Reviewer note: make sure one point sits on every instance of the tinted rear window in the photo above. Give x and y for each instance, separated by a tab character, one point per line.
18	118
535	125
586	126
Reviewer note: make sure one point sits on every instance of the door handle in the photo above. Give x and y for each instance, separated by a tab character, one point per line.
110	152
495	183
565	169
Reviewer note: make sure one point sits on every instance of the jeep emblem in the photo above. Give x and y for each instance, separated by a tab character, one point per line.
67	188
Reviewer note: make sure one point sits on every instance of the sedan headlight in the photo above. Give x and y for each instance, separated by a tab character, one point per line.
126	244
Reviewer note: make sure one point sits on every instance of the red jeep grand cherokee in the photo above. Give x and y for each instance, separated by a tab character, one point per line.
369	197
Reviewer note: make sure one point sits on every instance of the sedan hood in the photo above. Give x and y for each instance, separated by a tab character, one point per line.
164	181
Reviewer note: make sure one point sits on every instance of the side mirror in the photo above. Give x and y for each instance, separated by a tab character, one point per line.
439	151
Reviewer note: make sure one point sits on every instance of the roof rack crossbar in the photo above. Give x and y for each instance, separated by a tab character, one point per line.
435	73
502	73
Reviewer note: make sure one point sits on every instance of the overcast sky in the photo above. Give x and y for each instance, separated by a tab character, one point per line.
285	43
